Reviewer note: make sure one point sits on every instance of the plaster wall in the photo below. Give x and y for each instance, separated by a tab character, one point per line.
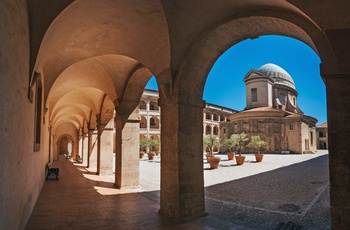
22	171
262	94
293	136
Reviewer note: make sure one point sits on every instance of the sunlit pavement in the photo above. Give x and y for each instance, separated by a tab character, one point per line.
281	190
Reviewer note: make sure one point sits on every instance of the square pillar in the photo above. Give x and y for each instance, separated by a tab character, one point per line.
92	159
106	151
127	152
338	103
182	181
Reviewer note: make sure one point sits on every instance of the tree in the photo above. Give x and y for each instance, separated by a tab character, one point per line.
257	143
238	141
149	142
209	141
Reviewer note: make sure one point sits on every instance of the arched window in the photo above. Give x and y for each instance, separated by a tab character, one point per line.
143	105
153	106
207	116
143	122
222	118
207	130
215	130
152	122
215	117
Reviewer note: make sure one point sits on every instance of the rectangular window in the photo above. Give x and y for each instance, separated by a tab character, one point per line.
254	93
291	127
282	98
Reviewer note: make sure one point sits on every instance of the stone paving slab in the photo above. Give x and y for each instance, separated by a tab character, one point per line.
82	200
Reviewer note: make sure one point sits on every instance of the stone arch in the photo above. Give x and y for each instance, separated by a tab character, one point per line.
65	146
153	106
143	122
215	130
143	105
214	41
208	116
154	122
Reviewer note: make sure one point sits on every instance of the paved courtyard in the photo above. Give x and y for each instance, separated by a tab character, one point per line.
281	191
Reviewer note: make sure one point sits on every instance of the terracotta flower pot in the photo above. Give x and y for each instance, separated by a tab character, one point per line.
141	155
151	155
258	157
213	162
230	156
240	159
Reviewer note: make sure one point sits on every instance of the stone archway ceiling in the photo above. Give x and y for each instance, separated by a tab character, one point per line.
77	105
107	112
89	28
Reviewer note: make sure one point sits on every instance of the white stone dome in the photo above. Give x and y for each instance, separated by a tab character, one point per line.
280	76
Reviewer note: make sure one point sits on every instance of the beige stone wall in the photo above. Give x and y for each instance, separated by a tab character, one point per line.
22	171
264	93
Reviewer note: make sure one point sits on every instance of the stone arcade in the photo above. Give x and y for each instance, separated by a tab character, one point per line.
66	66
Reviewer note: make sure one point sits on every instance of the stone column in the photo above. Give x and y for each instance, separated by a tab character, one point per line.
106	151
182	182
93	150
89	143
338	103
98	156
127	152
81	146
85	148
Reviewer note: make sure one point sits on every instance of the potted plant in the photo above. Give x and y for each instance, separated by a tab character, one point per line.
152	144
143	146
258	144
231	145
209	142
240	139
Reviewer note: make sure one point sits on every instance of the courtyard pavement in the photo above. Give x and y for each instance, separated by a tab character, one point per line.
282	192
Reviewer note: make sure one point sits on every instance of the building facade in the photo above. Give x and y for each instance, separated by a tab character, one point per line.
322	136
150	116
272	112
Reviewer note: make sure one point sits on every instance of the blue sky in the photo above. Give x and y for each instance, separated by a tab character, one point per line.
225	84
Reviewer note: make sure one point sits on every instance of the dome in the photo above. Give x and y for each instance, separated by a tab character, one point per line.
280	76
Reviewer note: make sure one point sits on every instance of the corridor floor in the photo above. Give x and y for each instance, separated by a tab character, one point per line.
82	200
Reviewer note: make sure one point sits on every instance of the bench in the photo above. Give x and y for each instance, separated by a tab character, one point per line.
52	171
79	159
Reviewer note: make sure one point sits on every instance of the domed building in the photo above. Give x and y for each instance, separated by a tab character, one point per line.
272	112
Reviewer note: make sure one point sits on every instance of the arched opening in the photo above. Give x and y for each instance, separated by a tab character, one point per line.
143	105
215	130
304	72
207	130
143	122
